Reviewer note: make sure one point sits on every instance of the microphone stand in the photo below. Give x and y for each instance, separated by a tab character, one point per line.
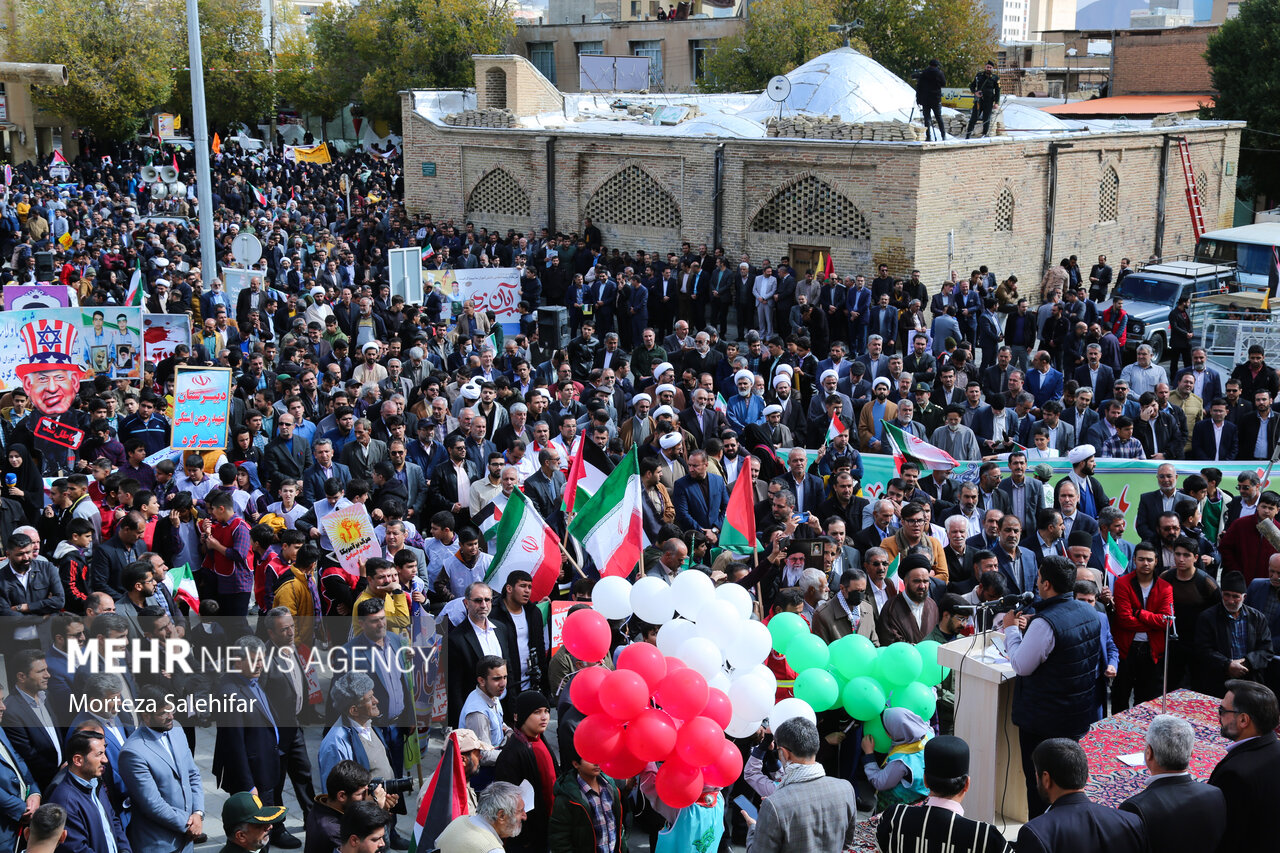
1169	630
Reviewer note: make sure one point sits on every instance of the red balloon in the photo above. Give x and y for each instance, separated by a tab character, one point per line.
673	664
651	735
623	694
718	707
584	689
622	765
586	635
598	737
682	694
726	769
646	660
699	742
678	784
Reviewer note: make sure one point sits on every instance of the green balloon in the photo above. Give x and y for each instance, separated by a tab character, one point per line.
819	688
853	655
875	728
899	664
784	627
863	699
916	697
931	672
807	651
841	681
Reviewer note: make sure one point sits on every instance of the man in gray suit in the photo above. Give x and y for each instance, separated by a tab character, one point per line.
1025	494
364	451
164	781
414	479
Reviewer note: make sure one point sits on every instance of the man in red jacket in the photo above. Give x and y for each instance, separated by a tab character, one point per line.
1143	602
1250	541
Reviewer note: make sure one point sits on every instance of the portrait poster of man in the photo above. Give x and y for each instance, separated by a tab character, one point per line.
100	335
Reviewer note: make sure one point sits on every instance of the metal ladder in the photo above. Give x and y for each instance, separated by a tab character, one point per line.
1193	192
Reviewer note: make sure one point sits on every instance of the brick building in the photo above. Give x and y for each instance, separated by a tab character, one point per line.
715	176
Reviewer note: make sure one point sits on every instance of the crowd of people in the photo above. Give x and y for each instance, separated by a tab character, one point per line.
431	415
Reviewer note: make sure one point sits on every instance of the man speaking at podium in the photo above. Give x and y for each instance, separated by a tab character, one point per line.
1056	651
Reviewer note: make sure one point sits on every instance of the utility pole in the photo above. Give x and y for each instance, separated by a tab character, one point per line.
200	130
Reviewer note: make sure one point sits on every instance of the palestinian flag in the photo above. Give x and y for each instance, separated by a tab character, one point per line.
739	531
258	195
837	427
444	799
525	542
182	586
1116	564
587	472
917	450
721	406
610	525
58	158
134	294
489	516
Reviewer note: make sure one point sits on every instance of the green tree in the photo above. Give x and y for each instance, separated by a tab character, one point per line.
119	56
903	35
311	82
368	53
1244	63
779	36
238	82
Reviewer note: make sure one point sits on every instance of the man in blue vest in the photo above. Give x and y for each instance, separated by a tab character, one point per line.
1056	650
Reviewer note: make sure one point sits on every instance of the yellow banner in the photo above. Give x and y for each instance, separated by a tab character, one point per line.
315	154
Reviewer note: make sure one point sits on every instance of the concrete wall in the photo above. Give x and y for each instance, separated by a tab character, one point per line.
677	55
912	196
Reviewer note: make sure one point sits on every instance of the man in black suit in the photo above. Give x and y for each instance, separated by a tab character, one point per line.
1073	821
1094	375
1152	504
285	683
1180	814
1259	429
472	639
28	721
1249	774
701	418
1215	438
1218	657
246	754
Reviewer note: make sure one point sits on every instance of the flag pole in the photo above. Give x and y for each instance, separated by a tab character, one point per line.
569	557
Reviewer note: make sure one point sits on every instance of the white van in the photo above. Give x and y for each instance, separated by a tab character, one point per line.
1250	247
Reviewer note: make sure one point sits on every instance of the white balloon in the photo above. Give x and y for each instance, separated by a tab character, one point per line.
750	697
700	655
689	591
718	621
766	675
742	726
751	646
789	709
720	682
737	596
651	601
611	597
673	634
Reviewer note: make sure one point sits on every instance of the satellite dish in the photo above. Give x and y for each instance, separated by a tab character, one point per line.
779	88
149	174
246	249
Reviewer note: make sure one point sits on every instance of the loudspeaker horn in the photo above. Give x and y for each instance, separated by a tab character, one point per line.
149	174
168	174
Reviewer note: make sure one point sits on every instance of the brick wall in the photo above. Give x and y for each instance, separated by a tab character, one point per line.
917	199
1162	62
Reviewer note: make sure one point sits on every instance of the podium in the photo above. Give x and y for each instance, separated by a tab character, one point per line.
983	717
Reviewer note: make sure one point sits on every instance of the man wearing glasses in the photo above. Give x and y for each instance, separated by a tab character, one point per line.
472	639
1249	774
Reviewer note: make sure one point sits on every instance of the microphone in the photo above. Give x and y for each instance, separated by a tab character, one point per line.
1008	602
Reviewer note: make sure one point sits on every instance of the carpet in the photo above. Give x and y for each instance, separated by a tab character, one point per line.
1111	782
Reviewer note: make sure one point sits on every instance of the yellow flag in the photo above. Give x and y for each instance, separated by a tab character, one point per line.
65	241
314	154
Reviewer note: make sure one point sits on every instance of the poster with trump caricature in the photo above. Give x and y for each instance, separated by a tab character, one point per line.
48	351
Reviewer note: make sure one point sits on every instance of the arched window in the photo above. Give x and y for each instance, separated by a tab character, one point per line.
1004	210
811	206
498	192
1109	196
633	197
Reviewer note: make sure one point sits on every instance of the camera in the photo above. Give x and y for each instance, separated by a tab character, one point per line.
393	786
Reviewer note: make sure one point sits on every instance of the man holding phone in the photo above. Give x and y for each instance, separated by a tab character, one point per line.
384	584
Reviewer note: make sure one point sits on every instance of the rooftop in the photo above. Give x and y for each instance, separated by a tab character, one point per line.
1131	105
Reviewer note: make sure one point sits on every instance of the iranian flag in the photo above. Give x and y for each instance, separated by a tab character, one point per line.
1116	564
836	427
914	449
893	566
610	525
182	586
587	472
524	541
444	799
134	295
721	406
739	531
258	195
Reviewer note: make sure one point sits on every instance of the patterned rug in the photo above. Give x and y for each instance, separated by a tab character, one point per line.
1111	782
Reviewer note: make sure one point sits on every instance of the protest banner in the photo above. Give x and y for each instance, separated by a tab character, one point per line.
489	288
18	297
162	333
59	433
73	340
201	407
350	529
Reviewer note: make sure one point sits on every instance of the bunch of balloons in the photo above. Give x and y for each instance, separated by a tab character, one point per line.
651	708
853	673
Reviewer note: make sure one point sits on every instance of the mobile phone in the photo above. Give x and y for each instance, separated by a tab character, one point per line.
746	805
800	517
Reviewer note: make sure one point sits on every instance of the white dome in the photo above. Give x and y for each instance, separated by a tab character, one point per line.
844	83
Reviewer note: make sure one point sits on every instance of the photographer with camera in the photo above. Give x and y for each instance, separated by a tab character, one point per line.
347	783
929	85
986	94
525	624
